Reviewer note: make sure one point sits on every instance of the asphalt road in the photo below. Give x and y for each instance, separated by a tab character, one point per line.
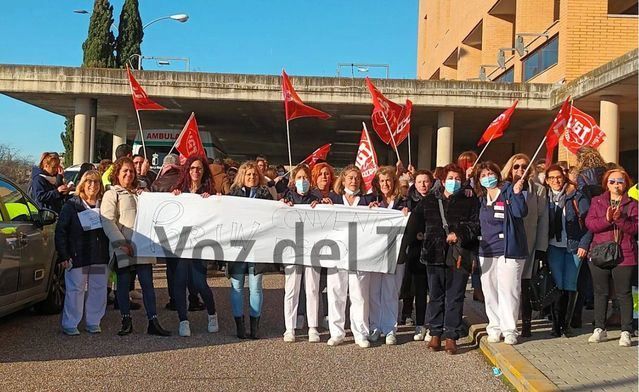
35	355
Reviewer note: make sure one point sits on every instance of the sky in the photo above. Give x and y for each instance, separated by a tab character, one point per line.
250	36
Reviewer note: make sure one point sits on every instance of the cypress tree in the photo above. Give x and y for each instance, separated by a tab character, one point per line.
67	141
100	43
130	34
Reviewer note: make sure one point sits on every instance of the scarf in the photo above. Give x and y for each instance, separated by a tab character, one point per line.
556	219
51	179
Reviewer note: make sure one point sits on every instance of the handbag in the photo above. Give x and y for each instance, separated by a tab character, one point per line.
456	256
543	289
607	255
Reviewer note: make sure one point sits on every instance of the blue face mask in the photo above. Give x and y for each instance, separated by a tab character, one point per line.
302	186
489	181
452	186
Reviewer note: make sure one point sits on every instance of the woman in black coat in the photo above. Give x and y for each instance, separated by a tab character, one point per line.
249	182
84	249
46	188
446	282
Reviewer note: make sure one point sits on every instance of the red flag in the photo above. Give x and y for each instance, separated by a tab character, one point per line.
388	116
496	128
556	129
189	142
582	130
319	154
366	160
293	105
141	101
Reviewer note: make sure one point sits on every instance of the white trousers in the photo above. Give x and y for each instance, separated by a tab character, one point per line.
292	286
93	278
384	300
356	285
501	284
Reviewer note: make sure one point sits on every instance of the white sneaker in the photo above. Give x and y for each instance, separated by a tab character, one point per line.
374	335
335	341
391	340
363	343
427	337
185	328
213	326
420	333
493	339
134	294
289	336
510	339
598	335
313	335
625	339
300	322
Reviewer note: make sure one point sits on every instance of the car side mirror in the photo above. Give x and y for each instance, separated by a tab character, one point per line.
47	217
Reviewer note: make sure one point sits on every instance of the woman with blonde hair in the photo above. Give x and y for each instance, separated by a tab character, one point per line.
249	182
84	249
384	288
347	190
535	225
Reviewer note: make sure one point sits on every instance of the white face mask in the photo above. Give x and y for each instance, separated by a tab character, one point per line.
350	192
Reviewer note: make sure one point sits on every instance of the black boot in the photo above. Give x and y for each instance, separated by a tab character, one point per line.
557	316
127	326
156	329
571	301
526	309
255	325
239	325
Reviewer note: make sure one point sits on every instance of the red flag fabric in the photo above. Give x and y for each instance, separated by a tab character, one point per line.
496	128
556	129
366	160
403	125
582	130
293	105
319	154
189	142
141	100
388	115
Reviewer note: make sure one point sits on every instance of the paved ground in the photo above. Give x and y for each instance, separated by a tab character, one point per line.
34	355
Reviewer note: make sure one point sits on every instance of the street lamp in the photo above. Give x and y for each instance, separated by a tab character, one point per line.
178	17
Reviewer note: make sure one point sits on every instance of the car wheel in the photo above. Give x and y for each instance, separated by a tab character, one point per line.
55	298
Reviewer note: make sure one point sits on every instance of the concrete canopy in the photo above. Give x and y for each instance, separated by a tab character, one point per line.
245	113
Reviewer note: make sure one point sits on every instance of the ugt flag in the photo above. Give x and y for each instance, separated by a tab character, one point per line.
317	155
366	160
556	129
496	128
141	100
582	130
389	117
189	142
293	105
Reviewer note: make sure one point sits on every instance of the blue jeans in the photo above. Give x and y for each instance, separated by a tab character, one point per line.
238	271
564	266
195	271
145	276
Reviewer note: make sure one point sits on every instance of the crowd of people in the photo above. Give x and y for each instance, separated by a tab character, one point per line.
500	225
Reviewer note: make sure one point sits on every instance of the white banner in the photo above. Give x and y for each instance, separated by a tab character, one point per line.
227	228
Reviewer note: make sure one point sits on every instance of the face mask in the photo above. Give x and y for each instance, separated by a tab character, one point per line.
350	192
302	186
452	186
488	182
281	173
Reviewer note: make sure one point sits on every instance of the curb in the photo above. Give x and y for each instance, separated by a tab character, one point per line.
514	366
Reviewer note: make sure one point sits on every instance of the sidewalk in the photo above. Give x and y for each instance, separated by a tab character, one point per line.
544	363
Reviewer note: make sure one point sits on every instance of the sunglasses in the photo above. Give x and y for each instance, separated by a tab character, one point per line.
518	166
613	181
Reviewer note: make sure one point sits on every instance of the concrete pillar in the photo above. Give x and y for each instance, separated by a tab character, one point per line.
119	132
92	128
609	122
444	138
85	109
425	147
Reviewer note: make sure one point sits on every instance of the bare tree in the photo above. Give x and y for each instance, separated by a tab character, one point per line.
15	165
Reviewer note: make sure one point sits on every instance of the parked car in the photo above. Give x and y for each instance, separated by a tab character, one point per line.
29	273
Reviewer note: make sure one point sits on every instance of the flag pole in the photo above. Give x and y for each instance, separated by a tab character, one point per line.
409	159
288	139
532	160
391	135
137	112
483	149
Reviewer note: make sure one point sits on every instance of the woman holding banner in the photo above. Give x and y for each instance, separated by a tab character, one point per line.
503	249
118	210
195	178
384	288
348	191
536	225
322	177
299	192
249	182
